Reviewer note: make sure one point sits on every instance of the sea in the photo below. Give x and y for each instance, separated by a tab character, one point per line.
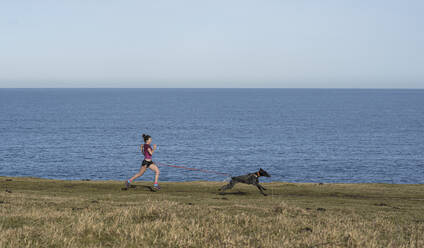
296	135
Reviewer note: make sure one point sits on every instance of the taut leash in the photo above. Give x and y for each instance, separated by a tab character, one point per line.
193	169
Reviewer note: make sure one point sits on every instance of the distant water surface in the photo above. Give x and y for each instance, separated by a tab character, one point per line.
297	135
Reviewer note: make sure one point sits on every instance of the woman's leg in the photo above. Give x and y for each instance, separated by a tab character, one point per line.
139	174
154	168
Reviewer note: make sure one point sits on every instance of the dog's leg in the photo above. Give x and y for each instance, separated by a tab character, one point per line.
228	186
261	186
260	189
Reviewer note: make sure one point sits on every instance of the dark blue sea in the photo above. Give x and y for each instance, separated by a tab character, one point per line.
297	135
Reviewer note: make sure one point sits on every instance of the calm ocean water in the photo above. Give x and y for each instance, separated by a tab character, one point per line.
297	135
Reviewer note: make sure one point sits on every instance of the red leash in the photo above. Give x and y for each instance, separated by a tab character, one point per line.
193	169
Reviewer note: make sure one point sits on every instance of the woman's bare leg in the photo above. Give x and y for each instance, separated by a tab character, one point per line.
139	174
155	168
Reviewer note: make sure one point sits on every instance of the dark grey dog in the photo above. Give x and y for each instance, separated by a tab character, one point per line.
251	178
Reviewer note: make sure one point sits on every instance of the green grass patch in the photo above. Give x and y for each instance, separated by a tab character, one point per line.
54	213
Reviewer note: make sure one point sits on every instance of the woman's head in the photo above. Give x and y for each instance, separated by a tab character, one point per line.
147	138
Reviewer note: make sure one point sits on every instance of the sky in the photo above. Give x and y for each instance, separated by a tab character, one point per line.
212	44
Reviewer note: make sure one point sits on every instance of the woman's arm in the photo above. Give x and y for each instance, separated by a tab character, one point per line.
152	151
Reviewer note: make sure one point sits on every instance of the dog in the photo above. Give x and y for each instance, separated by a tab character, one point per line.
251	178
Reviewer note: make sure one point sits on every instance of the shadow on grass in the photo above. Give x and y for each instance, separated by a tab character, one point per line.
233	193
150	188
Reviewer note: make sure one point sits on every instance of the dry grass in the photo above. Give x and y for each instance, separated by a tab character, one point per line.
51	213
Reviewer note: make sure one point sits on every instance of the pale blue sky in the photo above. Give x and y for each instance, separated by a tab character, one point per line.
228	43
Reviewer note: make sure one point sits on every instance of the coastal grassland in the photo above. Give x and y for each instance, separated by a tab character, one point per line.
52	213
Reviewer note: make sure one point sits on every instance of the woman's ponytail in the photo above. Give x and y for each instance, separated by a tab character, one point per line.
146	137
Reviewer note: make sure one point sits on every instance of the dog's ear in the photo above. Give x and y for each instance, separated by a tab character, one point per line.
264	173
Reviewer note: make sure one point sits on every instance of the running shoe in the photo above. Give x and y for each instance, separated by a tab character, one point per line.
156	186
127	184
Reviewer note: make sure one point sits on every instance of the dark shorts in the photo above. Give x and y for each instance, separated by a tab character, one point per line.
146	163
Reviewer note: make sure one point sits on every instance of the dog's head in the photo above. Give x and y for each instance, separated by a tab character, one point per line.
263	173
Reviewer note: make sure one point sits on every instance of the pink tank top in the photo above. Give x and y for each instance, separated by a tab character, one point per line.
146	154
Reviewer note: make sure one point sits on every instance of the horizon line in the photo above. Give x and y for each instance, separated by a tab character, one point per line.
288	88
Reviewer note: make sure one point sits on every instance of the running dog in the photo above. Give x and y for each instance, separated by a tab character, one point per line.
251	178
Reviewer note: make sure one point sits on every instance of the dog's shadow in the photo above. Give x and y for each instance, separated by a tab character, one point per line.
233	193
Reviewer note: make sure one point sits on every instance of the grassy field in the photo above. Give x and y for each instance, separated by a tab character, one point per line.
51	213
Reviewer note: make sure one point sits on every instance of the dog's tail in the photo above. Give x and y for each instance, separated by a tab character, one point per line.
228	179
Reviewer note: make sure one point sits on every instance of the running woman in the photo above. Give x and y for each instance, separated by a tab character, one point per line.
147	151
